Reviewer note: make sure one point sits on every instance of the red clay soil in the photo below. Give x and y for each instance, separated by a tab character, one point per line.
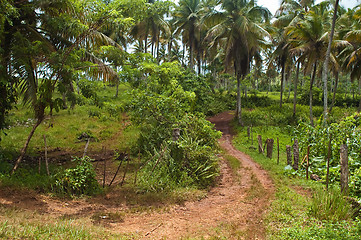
233	209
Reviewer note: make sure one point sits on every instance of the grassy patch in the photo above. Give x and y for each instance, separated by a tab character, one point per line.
63	129
16	224
301	209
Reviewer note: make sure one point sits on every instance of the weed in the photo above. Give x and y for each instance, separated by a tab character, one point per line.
330	205
78	180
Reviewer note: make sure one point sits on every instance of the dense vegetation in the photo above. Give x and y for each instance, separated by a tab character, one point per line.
141	77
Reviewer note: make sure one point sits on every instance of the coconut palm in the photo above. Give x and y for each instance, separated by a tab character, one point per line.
350	33
327	59
152	25
241	34
308	39
46	44
187	18
289	13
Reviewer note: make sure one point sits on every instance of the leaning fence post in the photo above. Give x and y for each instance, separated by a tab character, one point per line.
296	155
289	155
269	147
249	133
308	161
260	149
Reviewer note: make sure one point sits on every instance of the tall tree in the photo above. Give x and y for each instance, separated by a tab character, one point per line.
327	60
241	34
48	42
308	38
187	18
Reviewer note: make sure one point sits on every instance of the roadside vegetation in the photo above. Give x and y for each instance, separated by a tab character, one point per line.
101	96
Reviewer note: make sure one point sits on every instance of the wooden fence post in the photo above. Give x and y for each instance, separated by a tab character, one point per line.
289	155
296	155
260	148
328	162
344	168
46	156
249	133
269	147
308	161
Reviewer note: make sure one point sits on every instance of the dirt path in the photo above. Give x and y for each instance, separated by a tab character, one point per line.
233	209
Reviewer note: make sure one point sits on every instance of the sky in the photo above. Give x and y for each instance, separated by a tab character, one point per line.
273	5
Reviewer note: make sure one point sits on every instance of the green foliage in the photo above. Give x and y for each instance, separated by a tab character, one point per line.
26	177
159	106
330	205
76	181
89	90
341	100
322	230
272	116
345	132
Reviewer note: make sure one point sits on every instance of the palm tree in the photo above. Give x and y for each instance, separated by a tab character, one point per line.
188	20
289	13
46	44
350	54
152	25
308	39
241	34
327	59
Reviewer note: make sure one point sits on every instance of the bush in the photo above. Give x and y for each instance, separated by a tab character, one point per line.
189	161
77	181
159	107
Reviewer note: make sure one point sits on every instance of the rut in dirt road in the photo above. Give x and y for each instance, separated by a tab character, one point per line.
261	186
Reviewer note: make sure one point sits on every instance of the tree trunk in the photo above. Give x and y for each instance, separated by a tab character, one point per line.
344	169
170	49
289	83
334	92
146	43
23	150
117	89
282	80
295	91
158	45
327	60
311	94
191	56
239	102
63	96
199	64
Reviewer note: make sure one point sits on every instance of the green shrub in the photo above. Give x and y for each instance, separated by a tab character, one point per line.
189	161
159	107
79	180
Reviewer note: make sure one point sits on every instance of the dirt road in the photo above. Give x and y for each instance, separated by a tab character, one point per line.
234	209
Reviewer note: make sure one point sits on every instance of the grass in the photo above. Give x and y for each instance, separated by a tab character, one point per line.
15	224
294	213
64	127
